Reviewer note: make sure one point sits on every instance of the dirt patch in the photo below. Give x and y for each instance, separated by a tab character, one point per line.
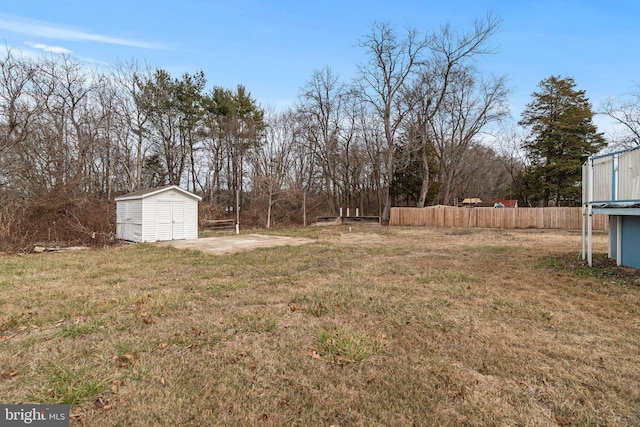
237	243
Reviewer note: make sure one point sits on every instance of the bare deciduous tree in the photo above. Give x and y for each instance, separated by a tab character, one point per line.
626	112
451	102
392	60
131	100
321	112
470	106
271	161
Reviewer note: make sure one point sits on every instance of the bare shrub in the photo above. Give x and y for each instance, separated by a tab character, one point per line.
12	236
57	219
212	210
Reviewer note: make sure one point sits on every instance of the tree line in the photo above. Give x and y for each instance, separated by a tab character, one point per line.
410	130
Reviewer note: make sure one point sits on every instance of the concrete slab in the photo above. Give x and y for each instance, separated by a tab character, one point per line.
236	243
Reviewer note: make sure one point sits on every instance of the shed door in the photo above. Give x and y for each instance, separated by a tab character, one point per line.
170	220
178	220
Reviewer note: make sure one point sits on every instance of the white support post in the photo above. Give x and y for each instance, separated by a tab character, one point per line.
590	214
237	211
590	233
304	209
583	252
619	240
610	240
347	212
340	212
357	213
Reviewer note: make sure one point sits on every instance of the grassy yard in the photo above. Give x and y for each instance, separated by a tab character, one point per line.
378	326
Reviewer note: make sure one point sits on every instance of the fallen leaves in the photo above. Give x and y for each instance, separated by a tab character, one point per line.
564	421
314	354
77	416
9	374
342	360
146	318
105	405
125	360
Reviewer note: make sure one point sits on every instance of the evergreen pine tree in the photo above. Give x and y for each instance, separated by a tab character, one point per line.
562	136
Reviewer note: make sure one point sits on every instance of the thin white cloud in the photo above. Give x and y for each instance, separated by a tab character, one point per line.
52	31
53	49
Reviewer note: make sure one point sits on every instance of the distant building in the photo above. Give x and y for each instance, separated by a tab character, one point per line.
505	203
472	201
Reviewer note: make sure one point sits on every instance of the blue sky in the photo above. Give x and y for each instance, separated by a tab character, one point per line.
273	47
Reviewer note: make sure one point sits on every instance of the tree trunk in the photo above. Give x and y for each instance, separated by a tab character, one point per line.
269	209
192	163
424	189
139	161
386	211
446	191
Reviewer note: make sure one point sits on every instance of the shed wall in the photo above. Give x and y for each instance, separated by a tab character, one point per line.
129	220
170	215
191	219
149	221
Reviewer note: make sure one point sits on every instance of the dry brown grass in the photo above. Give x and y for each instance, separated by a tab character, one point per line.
379	326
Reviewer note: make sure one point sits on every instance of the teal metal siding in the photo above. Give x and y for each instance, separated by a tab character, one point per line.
630	233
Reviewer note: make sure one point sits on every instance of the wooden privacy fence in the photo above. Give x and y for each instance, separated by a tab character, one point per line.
449	216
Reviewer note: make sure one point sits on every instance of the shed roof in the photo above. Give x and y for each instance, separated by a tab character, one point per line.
141	194
471	201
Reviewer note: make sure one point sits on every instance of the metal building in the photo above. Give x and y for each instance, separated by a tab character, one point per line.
165	213
611	186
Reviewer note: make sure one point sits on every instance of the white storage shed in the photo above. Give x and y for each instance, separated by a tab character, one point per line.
165	213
